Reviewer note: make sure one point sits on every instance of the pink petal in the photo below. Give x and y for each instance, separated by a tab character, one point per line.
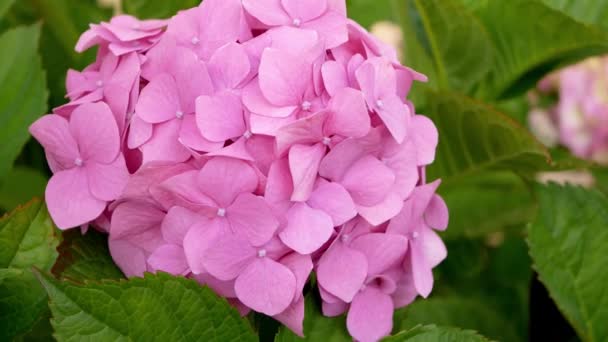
269	12
94	128
279	186
223	179
252	217
334	309
159	100
170	259
334	77
238	150
304	164
264	125
340	159
369	181
426	137
333	199
341	271
69	200
129	257
220	117
308	130
293	317
139	132
191	137
176	224
222	288
301	266
437	215
266	286
432	246
283	79
220	23
396	116
401	158
304	10
229	66
256	103
370	317
421	270
164	144
134	217
181	190
107	181
383	211
381	249
307	229
331	27
53	133
350	117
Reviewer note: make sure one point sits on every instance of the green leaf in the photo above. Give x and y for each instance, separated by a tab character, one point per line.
476	137
154	308
146	9
85	257
317	327
463	312
501	200
9	272
568	243
4	6
586	11
431	333
368	12
23	184
527	46
27	239
457	42
23	89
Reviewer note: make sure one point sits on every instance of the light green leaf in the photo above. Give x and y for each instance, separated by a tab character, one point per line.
154	308
23	89
457	42
463	312
586	11
527	46
4	6
85	257
368	12
317	327
476	137
9	272
145	9
27	239
23	184
431	333
568	243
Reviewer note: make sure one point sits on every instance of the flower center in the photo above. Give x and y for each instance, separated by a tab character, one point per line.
297	22
380	103
261	253
78	162
306	106
195	40
247	135
179	114
99	84
326	141
415	235
345	237
221	212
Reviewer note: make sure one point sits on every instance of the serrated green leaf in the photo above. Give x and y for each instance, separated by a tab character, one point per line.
527	47
85	257
27	239
586	11
457	42
432	333
154	308
23	89
317	327
476	137
568	243
145	9
462	312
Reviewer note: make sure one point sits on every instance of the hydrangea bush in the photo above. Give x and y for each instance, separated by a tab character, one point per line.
247	145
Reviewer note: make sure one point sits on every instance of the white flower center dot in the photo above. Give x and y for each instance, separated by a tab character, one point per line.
262	253
221	212
414	235
179	114
306	105
379	103
195	40
247	135
326	141
297	22
99	84
344	237
78	162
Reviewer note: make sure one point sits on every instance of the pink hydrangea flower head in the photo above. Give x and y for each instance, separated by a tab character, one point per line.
246	143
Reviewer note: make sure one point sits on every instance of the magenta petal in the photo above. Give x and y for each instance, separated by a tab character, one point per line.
304	164
139	132
293	317
307	229
334	77
421	270
437	215
159	100
350	117
341	271
432	246
223	179
164	144
220	117
370	317
304	131
224	254
176	224
69	200
369	181
94	128
170	259
279	186
266	286
396	116
129	257
281	79
269	12
334	309
191	137
381	249
229	65
255	102
301	266
107	181
333	199
252	217
304	10
53	133
222	288
426	137
134	217
383	211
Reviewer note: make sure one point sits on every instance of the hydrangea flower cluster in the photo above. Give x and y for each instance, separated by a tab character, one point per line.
246	144
579	119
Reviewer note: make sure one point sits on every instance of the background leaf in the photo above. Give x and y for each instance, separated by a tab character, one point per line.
568	245
23	184
27	239
587	11
155	308
431	333
4	6
145	9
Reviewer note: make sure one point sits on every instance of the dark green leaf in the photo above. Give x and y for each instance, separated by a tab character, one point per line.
368	12
586	11
85	257
4	6
27	239
154	308
431	333
568	243
146	9
23	89
22	184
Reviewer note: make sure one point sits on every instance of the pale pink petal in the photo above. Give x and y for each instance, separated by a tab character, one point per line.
333	199
307	229
299	42
164	145
334	77
396	116
266	286
401	158
341	271
252	217
382	250
237	150
191	137
256	103
134	217
139	132
370	317
223	179
176	224
94	128
293	317
53	133
301	266
279	186
107	181
331	27
437	215
270	12
220	117
129	257
426	137
69	200
383	211
181	190
432	246
220	23
421	270
369	181
265	125
170	259
350	117
283	78
222	288
229	66
304	164
308	130
340	159
304	10
405	292
334	309
159	100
